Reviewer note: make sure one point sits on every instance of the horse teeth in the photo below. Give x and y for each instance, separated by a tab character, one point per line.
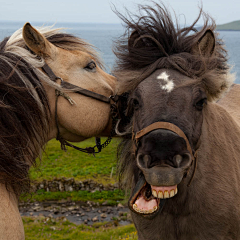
135	207
172	193
154	193
166	194
160	194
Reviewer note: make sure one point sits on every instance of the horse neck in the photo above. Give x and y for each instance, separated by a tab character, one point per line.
220	133
215	184
218	154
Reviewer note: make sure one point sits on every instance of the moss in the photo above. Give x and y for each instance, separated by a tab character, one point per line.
43	228
112	197
57	163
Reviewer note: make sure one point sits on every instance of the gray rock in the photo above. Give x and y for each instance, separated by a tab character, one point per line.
95	219
60	186
37	208
105	203
71	208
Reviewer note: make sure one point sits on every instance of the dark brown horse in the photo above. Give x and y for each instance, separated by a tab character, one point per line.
180	152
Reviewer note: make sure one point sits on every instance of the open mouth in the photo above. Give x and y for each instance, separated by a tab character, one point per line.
148	200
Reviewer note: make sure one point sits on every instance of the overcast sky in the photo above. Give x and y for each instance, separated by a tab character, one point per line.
99	11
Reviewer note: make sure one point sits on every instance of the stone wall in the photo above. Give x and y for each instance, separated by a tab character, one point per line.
70	184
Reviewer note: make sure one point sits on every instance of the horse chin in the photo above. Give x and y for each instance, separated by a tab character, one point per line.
148	200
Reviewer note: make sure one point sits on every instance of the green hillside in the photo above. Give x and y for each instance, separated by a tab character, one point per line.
232	26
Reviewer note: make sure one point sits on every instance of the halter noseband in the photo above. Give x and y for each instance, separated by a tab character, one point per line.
87	93
163	125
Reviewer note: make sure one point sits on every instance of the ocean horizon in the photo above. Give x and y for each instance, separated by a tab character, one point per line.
103	35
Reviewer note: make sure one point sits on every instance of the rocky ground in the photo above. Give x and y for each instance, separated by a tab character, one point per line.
77	212
70	184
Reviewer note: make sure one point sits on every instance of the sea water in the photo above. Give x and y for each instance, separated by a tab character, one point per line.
103	35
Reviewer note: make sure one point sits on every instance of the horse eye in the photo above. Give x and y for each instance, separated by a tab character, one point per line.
199	105
135	103
90	66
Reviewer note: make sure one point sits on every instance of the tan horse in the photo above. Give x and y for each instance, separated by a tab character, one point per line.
27	103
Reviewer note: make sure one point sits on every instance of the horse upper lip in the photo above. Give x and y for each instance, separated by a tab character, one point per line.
161	175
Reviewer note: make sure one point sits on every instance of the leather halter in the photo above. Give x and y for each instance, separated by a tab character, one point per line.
84	92
75	88
168	126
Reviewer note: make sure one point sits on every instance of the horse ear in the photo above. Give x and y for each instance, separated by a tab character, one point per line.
135	41
36	41
205	45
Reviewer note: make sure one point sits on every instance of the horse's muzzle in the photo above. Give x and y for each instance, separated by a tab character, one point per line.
163	158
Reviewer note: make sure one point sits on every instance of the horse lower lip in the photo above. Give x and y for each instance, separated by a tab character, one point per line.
145	207
149	206
139	202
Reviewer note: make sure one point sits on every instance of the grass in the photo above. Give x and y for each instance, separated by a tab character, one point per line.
57	163
41	228
112	197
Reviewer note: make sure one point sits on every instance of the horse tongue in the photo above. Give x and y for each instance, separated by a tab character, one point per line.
143	204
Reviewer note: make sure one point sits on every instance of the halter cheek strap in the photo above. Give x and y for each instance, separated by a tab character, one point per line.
75	88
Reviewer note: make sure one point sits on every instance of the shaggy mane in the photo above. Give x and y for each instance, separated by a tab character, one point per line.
161	43
24	107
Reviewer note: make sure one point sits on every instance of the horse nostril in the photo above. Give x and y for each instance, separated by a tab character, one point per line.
147	160
183	160
177	160
143	161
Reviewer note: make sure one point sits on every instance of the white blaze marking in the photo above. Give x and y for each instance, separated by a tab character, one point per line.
168	84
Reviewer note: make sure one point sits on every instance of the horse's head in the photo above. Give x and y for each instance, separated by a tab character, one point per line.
163	155
77	63
178	74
